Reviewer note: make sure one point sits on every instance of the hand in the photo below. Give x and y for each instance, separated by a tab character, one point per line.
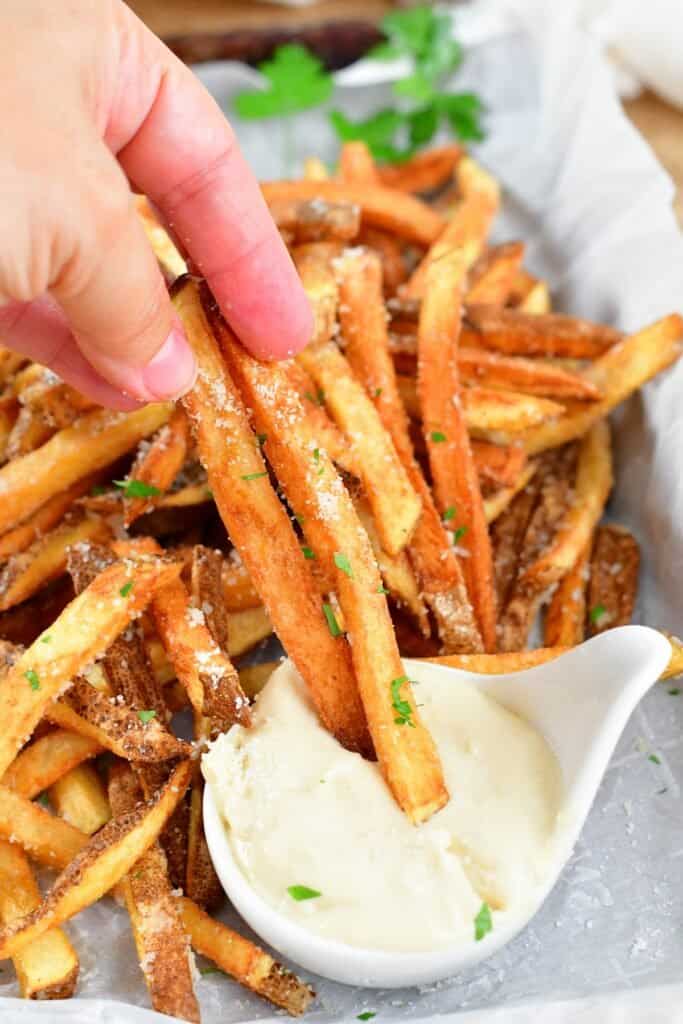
92	101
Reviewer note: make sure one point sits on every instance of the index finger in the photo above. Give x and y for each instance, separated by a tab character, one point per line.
174	143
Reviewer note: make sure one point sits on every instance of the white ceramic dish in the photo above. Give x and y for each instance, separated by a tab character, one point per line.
579	702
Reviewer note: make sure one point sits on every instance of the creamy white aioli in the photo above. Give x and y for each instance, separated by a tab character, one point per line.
301	810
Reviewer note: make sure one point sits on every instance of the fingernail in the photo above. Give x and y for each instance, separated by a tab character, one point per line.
173	370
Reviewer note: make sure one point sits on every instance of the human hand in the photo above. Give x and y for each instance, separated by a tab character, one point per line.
92	101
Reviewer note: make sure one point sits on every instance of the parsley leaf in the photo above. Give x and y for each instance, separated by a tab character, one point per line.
438	437
43	800
147	716
308	552
342	562
302	892
137	489
449	514
483	922
296	80
402	707
674	691
47	639
654	759
315	399
126	588
332	623
33	678
261	439
366	1015
254	476
382	590
597	613
459	533
210	970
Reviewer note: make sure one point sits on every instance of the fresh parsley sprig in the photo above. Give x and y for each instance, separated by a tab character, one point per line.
296	80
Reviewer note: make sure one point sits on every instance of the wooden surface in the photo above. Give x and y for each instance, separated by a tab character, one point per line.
661	124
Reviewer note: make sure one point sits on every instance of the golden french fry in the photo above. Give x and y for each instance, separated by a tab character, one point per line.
390	252
524	334
531	376
424	172
262	533
101	863
244	961
496	503
158	464
29	432
530	294
498	465
46	839
46	760
43	519
94	441
493	275
48	968
499	664
315	169
613	578
316	220
357	165
208	593
239	593
314	263
79	797
565	618
172	263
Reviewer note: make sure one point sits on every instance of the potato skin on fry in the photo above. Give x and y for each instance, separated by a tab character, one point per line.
613	584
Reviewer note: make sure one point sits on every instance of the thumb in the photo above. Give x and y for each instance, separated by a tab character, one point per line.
115	300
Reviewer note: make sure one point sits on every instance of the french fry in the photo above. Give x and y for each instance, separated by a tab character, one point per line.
424	172
456	484
525	334
364	325
53	401
315	169
43	519
48	968
382	207
27	572
47	839
10	362
613	579
390	252
244	961
79	797
675	666
395	503
531	376
323	432
498	465
158	463
46	760
172	263
499	664
262	533
84	630
316	221
620	372
565	618
94	441
9	410
495	504
29	432
102	862
208	592
467	229
407	757
493	275
509	531
317	277
160	938
239	593
529	294
357	165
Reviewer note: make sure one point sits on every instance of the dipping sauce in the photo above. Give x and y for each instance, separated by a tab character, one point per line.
316	832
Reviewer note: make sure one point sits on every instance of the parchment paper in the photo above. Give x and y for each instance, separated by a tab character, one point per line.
586	194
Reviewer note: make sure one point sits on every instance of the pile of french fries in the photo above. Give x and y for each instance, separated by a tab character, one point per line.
423	479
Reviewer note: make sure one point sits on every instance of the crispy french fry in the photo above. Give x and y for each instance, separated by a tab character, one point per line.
323	432
496	503
524	334
390	252
239	593
315	169
529	294
498	465
407	757
193	494
9	410
317	276
456	484
94	441
357	165
613	578
493	275
160	938
10	362
620	372
395	503
424	172
467	229
172	263
262	533
158	463
29	432
84	630
54	402
675	666
48	840
566	614
531	376
364	325
30	570
316	220
101	863
244	961
381	207
43	519
48	968
208	592
79	797
509	531
499	664
46	760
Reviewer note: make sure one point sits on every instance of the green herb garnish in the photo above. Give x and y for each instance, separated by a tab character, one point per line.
366	1015
302	892
147	716
296	79
378	392
317	399
126	588
459	533
402	707
674	691
210	970
332	623
33	679
342	562
438	437
654	759
382	589
43	800
261	439
255	476
308	552
47	639
449	514
597	613
137	489
483	922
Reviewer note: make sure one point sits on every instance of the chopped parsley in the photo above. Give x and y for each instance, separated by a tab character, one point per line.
308	552
137	489
654	759
147	716
459	533
449	514
255	476
332	623
342	562
126	588
674	691
302	892
597	613
261	439
47	639
296	80
438	436
402	707
210	970
43	800
317	399
366	1015
382	589
378	392
300	519
316	459
33	679
483	922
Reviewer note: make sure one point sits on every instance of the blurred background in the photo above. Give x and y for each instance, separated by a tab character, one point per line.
643	40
